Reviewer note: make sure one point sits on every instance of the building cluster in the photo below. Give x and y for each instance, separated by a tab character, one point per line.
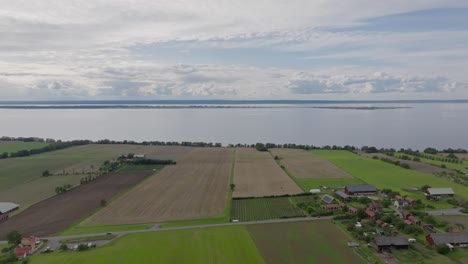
27	246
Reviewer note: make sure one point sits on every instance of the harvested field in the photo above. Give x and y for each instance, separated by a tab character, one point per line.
257	174
303	164
196	187
303	242
414	165
59	212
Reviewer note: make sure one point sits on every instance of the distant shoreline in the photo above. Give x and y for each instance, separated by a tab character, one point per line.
43	107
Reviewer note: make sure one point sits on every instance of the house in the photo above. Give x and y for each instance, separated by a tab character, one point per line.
3	217
454	239
400	204
26	247
429	228
408	222
332	207
378	222
375	207
410	200
388	242
352	210
139	156
342	196
327	199
369	213
398	197
360	189
414	220
440	192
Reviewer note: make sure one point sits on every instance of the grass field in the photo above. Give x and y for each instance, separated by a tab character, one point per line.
385	175
303	242
14	146
257	174
303	164
208	245
196	187
421	255
264	208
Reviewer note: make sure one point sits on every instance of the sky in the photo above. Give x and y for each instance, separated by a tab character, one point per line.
220	49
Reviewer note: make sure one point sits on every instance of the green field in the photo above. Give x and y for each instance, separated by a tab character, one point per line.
14	146
303	242
209	245
311	183
264	208
449	165
385	175
421	255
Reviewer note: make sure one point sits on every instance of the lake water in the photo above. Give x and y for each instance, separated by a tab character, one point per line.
439	125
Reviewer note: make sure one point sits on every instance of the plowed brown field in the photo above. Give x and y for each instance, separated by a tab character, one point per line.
196	187
257	174
55	214
303	164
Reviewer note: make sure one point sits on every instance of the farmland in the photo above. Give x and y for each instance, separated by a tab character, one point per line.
264	208
197	187
302	242
385	175
303	164
257	174
307	184
14	146
453	166
208	245
53	215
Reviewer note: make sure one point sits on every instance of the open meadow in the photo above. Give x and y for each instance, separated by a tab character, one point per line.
197	187
14	146
53	215
257	174
304	164
303	242
386	175
208	245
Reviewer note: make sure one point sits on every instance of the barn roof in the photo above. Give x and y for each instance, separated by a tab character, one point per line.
390	241
342	194
361	188
455	238
440	191
5	207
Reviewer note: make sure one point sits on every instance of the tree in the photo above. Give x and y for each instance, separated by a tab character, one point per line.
58	190
103	202
63	247
45	173
443	249
82	247
232	186
14	238
430	151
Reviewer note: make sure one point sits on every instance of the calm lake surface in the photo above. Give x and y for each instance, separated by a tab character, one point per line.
439	125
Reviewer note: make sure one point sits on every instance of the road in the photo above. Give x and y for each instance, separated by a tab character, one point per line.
454	211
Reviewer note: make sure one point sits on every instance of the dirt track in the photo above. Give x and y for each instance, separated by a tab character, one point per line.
414	165
196	187
257	174
55	214
303	164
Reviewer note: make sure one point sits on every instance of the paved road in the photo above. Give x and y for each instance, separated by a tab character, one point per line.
454	211
54	242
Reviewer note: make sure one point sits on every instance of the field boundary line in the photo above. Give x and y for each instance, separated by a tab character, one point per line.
283	168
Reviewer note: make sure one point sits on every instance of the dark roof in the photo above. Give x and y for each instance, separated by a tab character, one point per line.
390	241
456	238
342	194
327	199
361	188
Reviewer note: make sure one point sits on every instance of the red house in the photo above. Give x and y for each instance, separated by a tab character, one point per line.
370	214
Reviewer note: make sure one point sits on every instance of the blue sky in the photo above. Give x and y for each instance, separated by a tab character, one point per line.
233	50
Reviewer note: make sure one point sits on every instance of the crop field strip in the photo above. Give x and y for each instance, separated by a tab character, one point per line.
264	208
14	146
197	187
53	215
257	174
303	242
303	164
386	175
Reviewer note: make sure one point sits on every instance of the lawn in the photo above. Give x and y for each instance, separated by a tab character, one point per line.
264	208
460	255
385	175
208	245
303	242
14	146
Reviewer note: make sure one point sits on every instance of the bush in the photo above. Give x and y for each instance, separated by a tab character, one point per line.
82	247
443	249
63	247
